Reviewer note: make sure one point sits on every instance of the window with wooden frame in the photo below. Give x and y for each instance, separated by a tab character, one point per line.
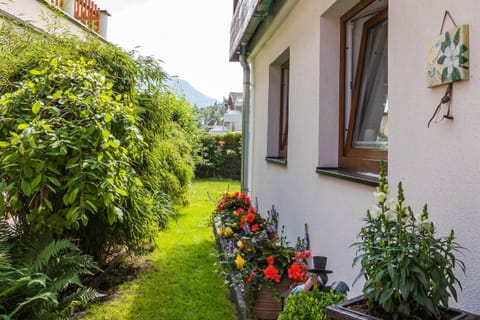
278	109
363	142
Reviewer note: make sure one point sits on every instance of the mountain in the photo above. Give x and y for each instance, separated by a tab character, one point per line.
192	95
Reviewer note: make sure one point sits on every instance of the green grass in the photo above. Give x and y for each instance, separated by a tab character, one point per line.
182	283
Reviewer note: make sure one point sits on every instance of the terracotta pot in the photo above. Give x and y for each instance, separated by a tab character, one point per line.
342	312
266	306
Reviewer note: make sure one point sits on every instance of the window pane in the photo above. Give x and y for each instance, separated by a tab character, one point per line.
371	125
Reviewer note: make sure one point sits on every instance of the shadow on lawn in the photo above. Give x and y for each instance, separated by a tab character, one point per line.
183	285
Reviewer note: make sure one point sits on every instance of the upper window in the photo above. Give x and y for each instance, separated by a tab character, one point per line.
278	105
364	87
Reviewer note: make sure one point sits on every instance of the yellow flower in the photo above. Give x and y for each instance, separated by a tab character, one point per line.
240	244
231	194
227	232
239	262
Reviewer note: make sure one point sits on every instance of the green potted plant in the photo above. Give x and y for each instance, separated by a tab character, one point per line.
309	305
408	271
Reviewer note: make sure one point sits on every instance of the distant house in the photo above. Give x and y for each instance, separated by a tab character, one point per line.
333	88
80	17
233	111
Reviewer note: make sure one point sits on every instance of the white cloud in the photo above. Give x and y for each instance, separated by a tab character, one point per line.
191	37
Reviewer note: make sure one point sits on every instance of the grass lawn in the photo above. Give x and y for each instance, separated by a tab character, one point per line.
182	283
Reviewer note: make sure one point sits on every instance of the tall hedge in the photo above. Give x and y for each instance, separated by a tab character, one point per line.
219	156
92	145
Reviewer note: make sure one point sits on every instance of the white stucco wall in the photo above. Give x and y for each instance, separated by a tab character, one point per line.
437	165
42	16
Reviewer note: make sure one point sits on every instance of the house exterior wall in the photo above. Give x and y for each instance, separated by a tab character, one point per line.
44	17
437	165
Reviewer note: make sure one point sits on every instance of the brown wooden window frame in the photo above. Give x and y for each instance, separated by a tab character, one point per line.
367	160
283	110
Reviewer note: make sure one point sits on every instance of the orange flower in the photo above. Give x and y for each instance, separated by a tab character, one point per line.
250	217
297	272
270	260
271	273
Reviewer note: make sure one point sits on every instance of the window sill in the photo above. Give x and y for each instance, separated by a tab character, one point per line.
277	160
367	178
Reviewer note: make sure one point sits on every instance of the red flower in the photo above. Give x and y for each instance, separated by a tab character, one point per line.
271	273
247	201
242	222
299	255
250	217
239	211
270	260
307	253
237	194
250	209
254	228
297	272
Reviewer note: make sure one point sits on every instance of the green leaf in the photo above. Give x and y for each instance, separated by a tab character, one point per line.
57	94
36	107
4	144
54	181
386	295
462	60
73	195
26	187
107	118
441	59
456	76
448	39
37	181
121	192
22	126
456	37
463	49
71	214
27	171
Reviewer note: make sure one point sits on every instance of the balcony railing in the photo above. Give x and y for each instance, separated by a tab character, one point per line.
85	11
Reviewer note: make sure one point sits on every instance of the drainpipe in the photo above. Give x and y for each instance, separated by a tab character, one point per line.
245	118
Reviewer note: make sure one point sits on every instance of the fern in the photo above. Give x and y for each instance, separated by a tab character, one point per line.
53	249
49	283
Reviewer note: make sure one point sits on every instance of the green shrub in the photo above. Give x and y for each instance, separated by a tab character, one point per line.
219	156
310	305
92	145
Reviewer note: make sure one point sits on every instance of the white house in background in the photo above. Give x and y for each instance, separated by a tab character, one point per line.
233	111
315	135
81	17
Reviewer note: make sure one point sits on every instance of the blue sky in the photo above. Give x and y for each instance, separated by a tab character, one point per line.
191	37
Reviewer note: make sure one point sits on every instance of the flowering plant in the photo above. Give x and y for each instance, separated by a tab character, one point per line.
252	249
409	273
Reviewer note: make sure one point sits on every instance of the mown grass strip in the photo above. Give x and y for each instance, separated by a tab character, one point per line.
182	284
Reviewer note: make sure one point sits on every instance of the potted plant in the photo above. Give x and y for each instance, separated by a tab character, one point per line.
255	255
408	271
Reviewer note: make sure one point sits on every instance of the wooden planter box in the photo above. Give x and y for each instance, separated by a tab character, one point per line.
342	312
